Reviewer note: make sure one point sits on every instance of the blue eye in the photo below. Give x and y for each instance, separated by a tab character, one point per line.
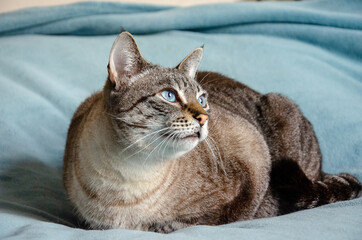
169	95
202	101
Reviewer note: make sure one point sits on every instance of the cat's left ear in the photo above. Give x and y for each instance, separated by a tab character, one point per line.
191	62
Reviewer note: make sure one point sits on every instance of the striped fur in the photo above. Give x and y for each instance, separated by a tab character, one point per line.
137	161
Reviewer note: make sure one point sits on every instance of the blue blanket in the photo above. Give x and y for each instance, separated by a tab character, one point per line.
53	58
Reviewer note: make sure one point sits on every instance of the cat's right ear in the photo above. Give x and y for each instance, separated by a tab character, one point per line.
191	62
125	60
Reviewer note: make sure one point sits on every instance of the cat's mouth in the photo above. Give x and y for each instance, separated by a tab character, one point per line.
194	135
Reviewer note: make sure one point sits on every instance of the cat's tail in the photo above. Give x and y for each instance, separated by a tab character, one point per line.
294	191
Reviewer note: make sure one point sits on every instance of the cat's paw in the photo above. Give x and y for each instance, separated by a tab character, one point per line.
166	227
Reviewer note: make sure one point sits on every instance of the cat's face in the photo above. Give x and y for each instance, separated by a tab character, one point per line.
159	113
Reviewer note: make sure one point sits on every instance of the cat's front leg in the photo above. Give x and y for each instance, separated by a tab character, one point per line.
167	226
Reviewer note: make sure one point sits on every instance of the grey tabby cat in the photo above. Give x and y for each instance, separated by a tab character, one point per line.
161	149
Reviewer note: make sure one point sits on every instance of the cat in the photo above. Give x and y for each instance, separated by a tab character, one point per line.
160	149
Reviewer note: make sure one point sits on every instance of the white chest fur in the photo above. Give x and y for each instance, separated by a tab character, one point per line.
108	191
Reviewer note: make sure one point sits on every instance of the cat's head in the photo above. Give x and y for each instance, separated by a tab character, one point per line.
158	113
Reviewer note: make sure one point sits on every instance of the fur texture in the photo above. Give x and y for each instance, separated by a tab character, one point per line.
135	159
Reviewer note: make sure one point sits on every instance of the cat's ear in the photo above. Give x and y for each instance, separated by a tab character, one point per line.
125	60
191	62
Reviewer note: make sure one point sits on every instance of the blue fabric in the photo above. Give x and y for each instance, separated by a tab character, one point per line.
53	58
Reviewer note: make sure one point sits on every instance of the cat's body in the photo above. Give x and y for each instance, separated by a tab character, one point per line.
138	159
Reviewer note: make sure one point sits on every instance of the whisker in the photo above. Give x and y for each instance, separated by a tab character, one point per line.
173	142
219	154
133	124
169	138
204	77
177	136
215	79
152	133
213	154
215	122
147	145
166	140
144	162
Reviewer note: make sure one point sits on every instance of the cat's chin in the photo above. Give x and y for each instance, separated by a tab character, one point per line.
191	137
187	143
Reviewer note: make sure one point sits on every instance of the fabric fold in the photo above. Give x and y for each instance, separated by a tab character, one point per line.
110	18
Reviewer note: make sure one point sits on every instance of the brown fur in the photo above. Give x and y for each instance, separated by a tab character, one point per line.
269	162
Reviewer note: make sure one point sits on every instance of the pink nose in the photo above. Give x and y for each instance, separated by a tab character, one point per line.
202	118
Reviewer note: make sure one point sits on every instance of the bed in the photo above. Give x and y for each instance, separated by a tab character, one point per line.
52	58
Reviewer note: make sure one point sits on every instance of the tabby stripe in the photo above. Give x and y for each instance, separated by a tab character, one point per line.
177	83
94	195
142	99
132	125
180	172
192	202
157	107
91	194
184	82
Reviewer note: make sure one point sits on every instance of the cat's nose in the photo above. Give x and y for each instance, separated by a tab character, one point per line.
202	118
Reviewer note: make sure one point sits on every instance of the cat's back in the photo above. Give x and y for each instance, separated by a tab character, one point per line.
84	107
231	96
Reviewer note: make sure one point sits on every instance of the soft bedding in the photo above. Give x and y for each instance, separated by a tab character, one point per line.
52	58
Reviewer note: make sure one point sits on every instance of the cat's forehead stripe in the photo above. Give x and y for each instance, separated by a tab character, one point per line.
177	83
182	96
184	81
